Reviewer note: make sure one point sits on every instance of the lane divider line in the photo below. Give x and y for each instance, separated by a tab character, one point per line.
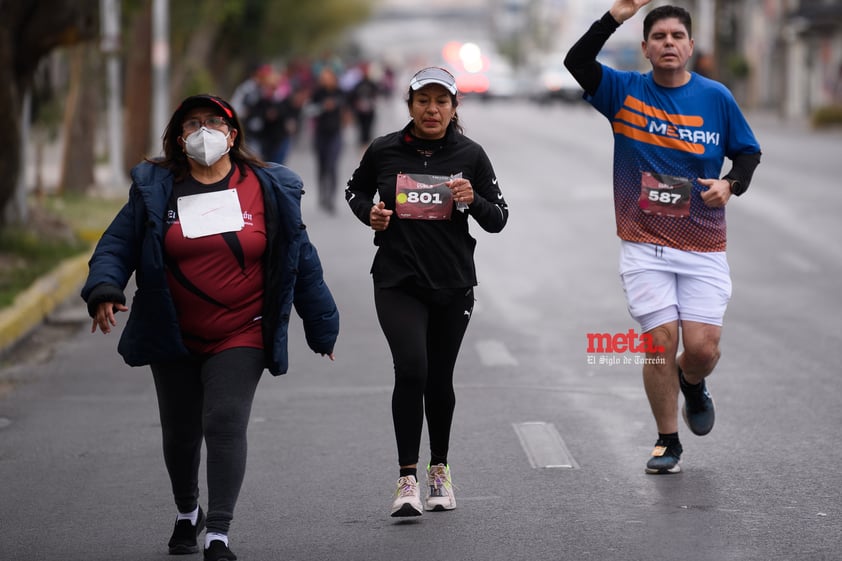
544	446
494	353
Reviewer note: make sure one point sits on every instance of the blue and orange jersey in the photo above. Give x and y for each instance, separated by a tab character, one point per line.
669	138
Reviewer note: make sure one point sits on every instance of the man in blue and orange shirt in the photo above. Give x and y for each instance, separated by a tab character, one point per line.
672	131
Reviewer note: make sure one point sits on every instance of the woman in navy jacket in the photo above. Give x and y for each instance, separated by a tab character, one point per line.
215	240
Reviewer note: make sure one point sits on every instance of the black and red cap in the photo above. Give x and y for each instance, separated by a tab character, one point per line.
205	100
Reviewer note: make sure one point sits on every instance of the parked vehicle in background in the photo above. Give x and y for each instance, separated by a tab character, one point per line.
481	71
553	82
503	81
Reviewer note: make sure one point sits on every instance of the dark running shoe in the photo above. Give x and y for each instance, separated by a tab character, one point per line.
699	412
218	551
665	458
183	540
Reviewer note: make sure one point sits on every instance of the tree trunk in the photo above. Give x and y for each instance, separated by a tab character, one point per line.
137	87
191	73
28	32
79	158
11	98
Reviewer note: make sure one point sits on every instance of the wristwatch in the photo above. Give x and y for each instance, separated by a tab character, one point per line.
734	185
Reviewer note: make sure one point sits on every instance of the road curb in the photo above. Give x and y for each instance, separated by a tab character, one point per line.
32	306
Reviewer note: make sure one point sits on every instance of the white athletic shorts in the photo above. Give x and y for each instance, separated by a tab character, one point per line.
663	284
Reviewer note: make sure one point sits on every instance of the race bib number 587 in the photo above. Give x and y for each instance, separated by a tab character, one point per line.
665	195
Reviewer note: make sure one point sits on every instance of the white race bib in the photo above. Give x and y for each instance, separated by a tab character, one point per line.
206	214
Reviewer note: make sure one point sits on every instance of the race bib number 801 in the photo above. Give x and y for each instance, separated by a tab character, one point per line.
423	197
665	195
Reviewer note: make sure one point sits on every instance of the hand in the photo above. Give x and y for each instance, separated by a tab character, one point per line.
625	9
462	191
378	217
330	356
104	317
718	192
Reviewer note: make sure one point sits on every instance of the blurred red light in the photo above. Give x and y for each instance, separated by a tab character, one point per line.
450	52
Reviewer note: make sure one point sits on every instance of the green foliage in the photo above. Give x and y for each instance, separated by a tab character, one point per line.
738	66
214	43
827	116
60	227
282	29
266	29
188	17
26	255
84	215
200	80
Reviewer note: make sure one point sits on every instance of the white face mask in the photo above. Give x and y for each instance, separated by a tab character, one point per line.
206	146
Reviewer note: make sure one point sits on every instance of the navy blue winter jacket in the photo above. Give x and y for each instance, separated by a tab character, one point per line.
133	243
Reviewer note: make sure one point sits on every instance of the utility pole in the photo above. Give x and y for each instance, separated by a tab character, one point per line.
160	72
110	47
17	212
704	25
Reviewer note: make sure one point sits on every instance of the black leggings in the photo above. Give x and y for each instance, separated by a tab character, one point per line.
210	398
424	329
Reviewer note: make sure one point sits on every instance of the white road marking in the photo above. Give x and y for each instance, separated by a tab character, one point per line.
544	446
494	353
799	262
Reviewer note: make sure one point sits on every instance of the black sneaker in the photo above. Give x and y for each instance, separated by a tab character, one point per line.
665	458
183	540
699	412
218	551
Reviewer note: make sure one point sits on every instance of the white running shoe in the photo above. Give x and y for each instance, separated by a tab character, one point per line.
439	488
407	498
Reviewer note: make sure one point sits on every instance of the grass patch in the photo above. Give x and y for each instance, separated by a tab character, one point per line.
26	256
59	227
86	216
827	116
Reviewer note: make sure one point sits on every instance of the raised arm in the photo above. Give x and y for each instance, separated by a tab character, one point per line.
581	58
623	10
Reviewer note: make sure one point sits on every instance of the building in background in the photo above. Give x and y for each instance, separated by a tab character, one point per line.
783	56
809	44
778	55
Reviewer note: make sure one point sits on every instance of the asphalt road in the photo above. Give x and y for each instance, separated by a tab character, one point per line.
80	459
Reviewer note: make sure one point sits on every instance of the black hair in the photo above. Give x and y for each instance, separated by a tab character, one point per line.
174	157
665	12
454	100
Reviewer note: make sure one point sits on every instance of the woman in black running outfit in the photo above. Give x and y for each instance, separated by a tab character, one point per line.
428	178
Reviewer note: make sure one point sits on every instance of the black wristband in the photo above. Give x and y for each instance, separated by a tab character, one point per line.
104	292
